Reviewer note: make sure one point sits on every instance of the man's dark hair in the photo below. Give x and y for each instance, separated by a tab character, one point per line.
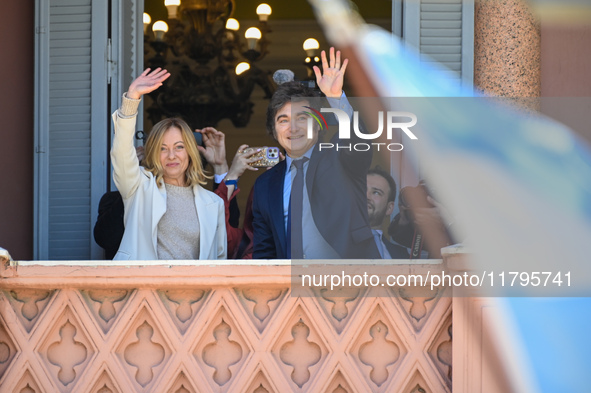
380	172
286	92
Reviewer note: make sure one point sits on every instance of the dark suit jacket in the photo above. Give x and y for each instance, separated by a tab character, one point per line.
396	251
336	183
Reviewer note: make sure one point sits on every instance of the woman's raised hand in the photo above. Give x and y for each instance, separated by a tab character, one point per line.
147	82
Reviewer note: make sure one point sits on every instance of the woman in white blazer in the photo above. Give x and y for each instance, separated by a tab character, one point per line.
168	214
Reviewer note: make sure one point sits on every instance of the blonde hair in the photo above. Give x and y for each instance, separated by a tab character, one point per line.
194	174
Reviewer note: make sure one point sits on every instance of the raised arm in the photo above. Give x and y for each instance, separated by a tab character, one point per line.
330	79
146	83
126	170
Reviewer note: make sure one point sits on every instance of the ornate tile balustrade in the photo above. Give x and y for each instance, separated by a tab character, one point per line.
83	327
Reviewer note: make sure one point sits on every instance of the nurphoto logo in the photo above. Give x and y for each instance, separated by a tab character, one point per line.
316	115
394	121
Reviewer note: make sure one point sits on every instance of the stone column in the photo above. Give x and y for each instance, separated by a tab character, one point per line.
506	49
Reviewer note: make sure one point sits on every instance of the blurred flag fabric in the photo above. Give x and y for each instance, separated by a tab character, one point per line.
518	184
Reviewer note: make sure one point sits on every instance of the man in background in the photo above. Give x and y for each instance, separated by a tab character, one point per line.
381	195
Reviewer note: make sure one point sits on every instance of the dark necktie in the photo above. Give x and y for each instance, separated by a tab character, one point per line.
294	218
378	239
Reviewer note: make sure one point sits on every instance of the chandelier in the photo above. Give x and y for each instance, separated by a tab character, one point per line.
213	71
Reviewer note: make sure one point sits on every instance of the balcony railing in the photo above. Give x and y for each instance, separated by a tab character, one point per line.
228	326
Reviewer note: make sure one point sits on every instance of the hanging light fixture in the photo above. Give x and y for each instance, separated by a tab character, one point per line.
213	70
311	46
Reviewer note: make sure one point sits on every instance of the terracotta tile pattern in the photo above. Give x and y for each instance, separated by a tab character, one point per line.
254	338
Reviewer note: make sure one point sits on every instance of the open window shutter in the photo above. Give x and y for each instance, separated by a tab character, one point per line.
127	56
75	63
443	31
70	126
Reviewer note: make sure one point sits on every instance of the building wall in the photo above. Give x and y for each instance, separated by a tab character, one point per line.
566	60
566	75
16	106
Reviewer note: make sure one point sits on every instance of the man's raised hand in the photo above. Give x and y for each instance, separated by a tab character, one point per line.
330	80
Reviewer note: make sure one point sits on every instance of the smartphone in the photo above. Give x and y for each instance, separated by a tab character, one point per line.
268	156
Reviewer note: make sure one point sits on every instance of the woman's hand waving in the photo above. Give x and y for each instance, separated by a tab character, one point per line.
147	82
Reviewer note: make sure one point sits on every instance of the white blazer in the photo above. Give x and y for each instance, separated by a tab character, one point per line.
145	204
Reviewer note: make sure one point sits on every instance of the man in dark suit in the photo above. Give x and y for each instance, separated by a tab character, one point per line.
381	195
324	214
